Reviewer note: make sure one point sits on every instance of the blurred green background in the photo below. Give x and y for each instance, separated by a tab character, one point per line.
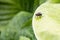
16	19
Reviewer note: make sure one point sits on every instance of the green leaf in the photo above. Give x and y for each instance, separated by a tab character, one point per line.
7	11
19	25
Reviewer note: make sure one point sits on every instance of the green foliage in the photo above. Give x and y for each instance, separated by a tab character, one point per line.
16	18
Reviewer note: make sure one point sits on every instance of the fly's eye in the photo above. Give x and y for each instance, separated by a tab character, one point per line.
39	14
